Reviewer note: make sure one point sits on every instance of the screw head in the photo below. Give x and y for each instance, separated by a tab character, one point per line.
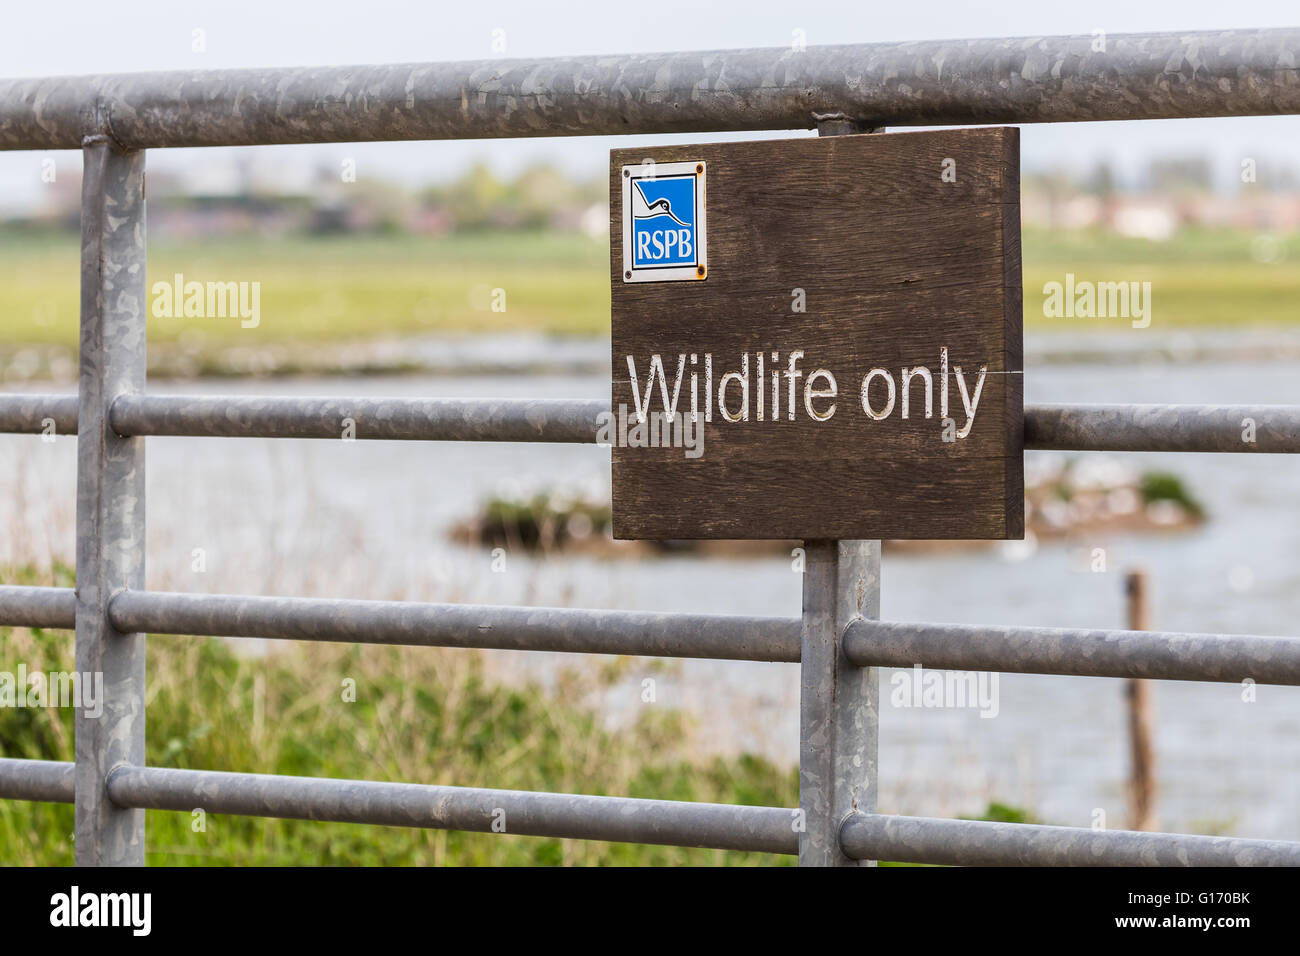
627	275
699	168
627	172
699	270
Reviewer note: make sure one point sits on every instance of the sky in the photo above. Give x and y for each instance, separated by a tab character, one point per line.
95	36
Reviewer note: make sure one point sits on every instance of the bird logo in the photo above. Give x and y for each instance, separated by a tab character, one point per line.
641	209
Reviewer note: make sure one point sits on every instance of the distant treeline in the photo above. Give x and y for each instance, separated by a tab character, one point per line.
540	197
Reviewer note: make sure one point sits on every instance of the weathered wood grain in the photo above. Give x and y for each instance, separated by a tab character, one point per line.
894	264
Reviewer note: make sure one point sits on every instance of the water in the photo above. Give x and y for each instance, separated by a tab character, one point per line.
370	519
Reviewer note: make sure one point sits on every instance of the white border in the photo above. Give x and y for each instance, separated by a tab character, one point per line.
680	273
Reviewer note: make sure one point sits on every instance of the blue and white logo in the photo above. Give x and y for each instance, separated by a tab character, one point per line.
663	222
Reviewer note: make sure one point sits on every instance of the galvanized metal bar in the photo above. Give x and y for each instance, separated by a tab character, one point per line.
525	813
110	496
1157	655
47	781
643	633
1214	428
838	702
413	419
36	413
37	607
929	83
1185	428
974	843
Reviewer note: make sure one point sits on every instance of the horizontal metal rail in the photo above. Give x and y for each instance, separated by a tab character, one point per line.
31	413
427	419
1157	655
1015	80
1153	428
37	607
46	781
1213	428
762	829
977	843
1078	652
641	633
526	813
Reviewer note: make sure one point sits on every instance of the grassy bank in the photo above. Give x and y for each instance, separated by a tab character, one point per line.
350	288
1199	278
329	290
420	715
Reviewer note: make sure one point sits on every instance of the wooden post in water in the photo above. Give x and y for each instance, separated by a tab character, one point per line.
1142	781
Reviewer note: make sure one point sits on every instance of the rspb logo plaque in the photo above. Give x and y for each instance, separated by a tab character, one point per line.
664	236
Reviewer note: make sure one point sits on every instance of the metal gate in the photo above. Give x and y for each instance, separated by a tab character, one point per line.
838	643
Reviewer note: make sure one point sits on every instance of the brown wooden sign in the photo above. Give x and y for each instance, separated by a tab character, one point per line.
818	338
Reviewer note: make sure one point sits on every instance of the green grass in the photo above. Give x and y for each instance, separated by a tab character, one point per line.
1165	486
421	715
335	289
1199	278
348	288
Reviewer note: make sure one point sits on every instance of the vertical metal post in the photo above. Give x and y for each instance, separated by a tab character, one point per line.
838	702
110	496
